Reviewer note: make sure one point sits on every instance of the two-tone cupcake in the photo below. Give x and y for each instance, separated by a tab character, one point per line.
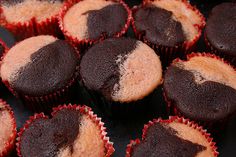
40	70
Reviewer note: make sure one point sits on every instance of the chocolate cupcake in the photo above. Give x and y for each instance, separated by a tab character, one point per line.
71	131
8	129
202	88
89	21
121	71
171	27
173	137
220	34
26	18
41	70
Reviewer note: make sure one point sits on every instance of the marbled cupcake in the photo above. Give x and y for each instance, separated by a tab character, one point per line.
172	138
172	27
89	21
40	69
220	31
72	131
203	88
121	70
8	129
26	18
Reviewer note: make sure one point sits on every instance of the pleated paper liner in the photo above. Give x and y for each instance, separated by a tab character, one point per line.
214	127
83	44
134	143
166	53
109	149
10	144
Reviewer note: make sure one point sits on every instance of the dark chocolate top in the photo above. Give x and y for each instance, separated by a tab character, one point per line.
45	137
107	21
51	68
163	142
221	28
99	69
158	26
208	101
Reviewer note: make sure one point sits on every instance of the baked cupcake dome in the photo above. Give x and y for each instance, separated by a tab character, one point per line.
72	131
173	137
169	26
88	21
220	32
8	129
39	67
202	88
121	69
25	18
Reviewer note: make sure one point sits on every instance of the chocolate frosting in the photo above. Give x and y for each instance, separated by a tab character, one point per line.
162	141
51	68
158	26
99	69
107	21
45	137
208	101
221	28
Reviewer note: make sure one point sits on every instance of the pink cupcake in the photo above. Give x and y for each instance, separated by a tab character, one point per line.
88	21
8	129
26	18
173	137
71	131
171	27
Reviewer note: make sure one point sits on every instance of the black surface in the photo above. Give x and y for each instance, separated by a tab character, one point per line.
122	131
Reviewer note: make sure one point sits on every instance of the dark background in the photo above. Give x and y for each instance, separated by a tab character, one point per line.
122	131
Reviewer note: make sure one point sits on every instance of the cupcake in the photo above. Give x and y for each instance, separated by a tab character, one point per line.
171	27
203	88
40	70
89	21
173	137
8	129
26	18
220	34
71	131
120	72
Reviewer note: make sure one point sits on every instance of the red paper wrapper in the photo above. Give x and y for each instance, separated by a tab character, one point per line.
231	59
83	44
173	110
23	30
167	54
10	145
133	143
84	110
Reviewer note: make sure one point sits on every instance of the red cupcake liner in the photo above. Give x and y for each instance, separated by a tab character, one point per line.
166	53
83	109
231	59
23	30
83	44
133	143
10	144
173	110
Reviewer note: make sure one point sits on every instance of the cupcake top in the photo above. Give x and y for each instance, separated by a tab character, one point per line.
173	139
168	22
122	69
39	65
220	28
69	133
89	19
202	88
24	10
7	125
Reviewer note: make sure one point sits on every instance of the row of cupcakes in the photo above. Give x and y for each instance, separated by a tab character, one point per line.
122	75
74	130
172	28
